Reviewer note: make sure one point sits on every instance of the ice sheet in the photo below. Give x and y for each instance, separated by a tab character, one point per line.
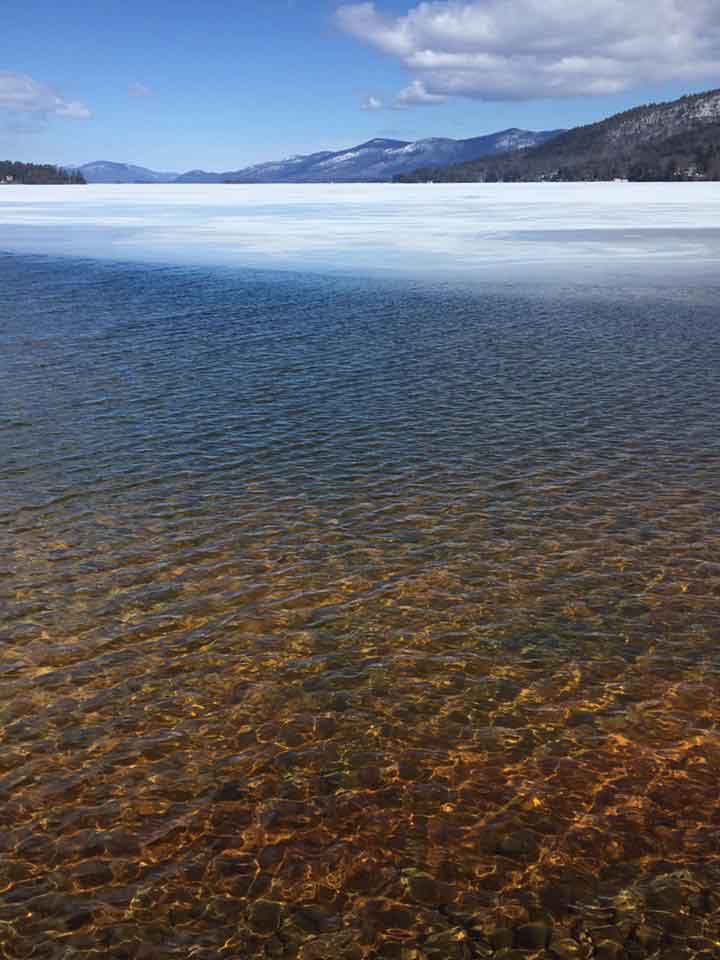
440	228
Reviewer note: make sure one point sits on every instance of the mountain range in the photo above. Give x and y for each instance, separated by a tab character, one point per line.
376	160
678	140
107	171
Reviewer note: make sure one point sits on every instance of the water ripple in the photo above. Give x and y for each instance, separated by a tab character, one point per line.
344	619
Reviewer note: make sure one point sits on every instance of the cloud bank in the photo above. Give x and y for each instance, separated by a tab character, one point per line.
528	49
21	94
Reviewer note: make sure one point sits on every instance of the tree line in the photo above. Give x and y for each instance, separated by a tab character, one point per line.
11	171
693	154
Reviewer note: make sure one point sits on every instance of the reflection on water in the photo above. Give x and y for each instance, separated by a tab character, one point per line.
347	620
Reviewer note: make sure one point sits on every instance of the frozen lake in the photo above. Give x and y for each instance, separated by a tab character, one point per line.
491	229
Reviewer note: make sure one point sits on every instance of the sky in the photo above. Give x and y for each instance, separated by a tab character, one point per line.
221	84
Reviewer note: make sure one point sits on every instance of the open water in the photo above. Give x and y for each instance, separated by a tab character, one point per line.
356	618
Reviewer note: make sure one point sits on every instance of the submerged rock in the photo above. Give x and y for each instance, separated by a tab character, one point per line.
609	950
533	936
425	889
92	873
567	949
501	937
265	916
447	945
520	844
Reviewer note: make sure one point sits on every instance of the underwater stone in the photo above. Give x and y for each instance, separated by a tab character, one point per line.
425	889
409	769
370	777
325	727
532	936
447	945
667	892
566	949
245	737
608	950
230	792
311	919
92	873
522	843
265	916
501	937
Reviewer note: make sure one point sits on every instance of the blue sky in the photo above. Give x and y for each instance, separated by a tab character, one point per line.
221	84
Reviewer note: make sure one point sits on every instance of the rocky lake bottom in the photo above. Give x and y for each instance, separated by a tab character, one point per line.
350	619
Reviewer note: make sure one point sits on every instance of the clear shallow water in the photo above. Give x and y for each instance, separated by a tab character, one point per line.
348	618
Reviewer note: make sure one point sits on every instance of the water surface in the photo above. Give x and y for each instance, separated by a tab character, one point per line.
349	618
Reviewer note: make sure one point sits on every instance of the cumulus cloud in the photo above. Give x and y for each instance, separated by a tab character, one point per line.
372	103
21	94
416	95
526	49
139	90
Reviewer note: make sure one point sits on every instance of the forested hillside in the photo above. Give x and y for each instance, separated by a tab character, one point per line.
14	172
668	141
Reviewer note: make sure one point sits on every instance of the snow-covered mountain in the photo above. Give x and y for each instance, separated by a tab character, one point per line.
679	139
106	171
663	119
638	142
376	160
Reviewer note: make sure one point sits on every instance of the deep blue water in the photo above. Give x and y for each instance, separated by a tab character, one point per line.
114	373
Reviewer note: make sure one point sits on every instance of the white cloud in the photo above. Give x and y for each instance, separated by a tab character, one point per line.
372	103
526	49
139	90
74	109
416	95
20	94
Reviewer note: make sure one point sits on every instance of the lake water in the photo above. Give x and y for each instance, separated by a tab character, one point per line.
360	608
